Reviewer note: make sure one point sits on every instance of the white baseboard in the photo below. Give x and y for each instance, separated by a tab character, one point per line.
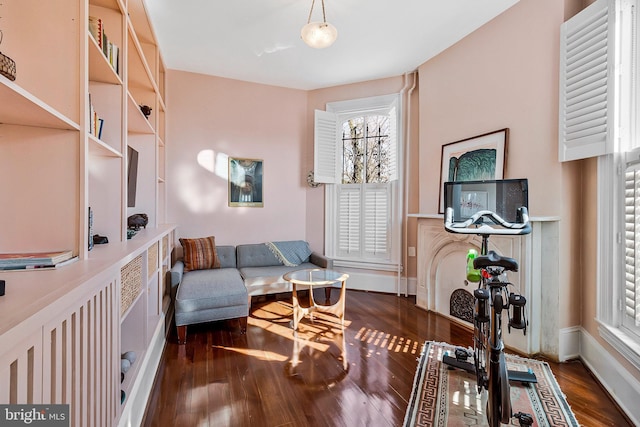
412	285
569	345
376	282
623	387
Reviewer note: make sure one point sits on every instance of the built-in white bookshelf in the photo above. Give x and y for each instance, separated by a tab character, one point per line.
64	327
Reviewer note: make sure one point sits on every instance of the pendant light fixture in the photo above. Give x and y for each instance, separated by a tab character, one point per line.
318	34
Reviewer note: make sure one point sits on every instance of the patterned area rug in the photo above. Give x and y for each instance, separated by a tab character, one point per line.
446	397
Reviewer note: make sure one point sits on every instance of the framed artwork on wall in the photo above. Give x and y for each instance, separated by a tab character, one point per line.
245	182
477	158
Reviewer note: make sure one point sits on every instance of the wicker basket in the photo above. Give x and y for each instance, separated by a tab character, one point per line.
152	259
7	67
130	283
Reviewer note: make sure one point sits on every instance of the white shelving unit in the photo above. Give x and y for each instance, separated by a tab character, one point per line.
62	331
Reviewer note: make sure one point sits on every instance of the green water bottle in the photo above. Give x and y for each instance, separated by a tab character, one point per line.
473	275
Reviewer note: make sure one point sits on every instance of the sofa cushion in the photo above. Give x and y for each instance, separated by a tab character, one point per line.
269	280
200	254
227	256
255	255
209	289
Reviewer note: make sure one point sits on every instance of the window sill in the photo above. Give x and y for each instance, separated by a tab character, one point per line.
366	265
625	344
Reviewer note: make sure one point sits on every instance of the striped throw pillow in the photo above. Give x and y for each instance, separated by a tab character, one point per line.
200	254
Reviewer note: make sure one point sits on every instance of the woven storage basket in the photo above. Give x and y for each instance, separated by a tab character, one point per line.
152	259
130	283
7	67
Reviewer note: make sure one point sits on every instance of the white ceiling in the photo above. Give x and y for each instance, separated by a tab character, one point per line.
259	40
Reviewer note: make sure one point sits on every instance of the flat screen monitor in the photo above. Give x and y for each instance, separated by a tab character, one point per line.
132	176
503	197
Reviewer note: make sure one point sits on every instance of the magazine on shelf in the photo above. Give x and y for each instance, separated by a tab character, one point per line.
26	259
39	266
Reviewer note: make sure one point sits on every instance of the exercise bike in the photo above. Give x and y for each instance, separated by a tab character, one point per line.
488	208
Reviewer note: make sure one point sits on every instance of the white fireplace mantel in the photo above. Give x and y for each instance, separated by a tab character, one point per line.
441	270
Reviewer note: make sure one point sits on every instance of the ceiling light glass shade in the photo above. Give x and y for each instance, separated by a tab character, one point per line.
319	34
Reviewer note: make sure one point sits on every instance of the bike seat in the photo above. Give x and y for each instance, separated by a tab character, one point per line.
493	259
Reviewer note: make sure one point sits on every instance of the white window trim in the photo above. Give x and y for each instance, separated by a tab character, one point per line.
344	110
610	258
611	252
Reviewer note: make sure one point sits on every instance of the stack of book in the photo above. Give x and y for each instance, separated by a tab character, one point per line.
36	260
95	122
109	49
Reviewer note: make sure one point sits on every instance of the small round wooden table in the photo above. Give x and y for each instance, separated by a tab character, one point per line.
319	278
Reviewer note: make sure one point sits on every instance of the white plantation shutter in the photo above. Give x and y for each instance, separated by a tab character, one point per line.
376	220
326	154
598	80
587	83
364	220
631	317
349	219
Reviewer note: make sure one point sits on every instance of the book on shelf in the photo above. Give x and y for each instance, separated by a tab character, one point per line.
100	123
95	28
95	122
40	266
114	59
109	49
90	242
105	44
92	116
26	259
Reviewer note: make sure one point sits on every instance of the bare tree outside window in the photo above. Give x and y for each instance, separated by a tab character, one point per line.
366	148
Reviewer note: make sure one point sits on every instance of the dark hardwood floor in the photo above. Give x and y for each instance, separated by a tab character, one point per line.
319	376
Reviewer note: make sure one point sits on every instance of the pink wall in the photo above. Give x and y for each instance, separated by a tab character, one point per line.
211	118
504	75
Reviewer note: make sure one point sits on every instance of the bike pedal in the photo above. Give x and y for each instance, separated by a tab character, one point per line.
461	354
525	420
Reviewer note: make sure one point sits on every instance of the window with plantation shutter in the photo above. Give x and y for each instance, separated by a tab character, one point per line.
364	193
631	315
618	194
360	140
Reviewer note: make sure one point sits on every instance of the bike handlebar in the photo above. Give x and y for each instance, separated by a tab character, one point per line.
472	225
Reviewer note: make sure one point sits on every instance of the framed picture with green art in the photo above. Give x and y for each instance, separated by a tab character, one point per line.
477	158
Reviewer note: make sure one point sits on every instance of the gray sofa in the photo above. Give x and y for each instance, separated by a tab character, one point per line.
225	293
